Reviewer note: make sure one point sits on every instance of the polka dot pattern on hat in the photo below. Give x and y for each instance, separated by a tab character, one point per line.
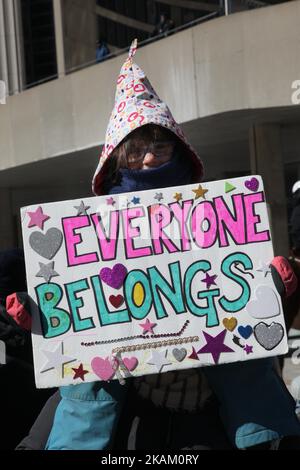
136	104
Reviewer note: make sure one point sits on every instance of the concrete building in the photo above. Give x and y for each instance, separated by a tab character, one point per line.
232	82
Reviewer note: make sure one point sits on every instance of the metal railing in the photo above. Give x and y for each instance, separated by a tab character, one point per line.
226	8
147	41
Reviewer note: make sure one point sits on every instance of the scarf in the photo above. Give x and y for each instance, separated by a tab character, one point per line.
175	172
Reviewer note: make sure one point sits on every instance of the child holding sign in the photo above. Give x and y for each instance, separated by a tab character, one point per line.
146	149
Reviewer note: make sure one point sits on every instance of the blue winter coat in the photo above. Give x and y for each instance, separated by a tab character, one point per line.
255	407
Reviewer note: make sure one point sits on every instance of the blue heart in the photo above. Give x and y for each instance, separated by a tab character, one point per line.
245	331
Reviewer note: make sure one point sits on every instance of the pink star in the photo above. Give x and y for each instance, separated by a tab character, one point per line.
110	201
148	326
248	349
37	218
210	280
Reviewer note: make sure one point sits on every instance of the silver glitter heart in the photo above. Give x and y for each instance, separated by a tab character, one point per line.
268	336
48	244
179	354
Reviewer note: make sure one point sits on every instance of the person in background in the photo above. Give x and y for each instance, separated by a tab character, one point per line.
19	398
295	221
102	50
165	24
292	311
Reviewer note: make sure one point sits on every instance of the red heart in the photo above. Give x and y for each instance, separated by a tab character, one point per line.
116	300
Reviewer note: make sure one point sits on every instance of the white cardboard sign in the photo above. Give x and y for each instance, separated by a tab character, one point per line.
136	284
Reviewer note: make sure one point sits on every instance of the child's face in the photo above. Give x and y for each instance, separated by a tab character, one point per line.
143	156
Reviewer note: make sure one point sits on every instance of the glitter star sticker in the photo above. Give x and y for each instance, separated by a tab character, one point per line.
248	349
177	196
159	359
56	359
209	280
47	271
200	192
37	218
215	345
148	326
193	355
158	196
135	200
110	201
79	372
264	268
82	208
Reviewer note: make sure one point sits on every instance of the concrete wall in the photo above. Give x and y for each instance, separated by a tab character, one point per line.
240	62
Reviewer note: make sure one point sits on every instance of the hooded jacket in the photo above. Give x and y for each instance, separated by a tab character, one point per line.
138	104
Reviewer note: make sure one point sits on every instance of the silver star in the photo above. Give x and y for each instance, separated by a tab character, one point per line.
264	268
81	210
158	196
159	360
47	271
56	359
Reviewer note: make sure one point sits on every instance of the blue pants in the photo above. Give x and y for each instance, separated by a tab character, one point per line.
87	416
255	405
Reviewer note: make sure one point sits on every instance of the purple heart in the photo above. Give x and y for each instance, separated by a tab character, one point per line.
114	277
252	184
245	331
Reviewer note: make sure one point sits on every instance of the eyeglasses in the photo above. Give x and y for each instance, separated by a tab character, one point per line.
161	150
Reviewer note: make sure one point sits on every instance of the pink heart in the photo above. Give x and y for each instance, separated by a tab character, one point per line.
114	277
252	184
103	368
130	362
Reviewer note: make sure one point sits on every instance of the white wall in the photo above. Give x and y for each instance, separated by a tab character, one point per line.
244	61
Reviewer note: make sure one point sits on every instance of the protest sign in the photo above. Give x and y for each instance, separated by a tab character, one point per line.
147	282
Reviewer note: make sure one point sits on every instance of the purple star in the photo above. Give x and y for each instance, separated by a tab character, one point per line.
215	345
37	218
210	280
248	349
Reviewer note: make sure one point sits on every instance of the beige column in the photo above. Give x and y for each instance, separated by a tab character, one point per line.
20	44
11	45
3	55
266	160
59	38
80	32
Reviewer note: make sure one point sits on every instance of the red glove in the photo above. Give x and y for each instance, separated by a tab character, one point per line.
17	306
284	277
